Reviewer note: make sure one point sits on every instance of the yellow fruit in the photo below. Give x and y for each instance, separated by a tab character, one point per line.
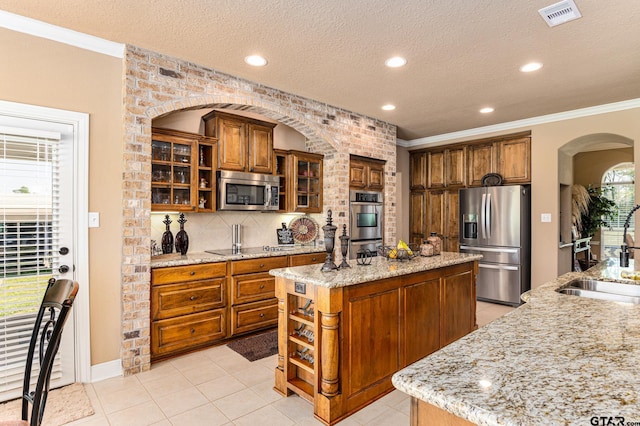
403	246
393	254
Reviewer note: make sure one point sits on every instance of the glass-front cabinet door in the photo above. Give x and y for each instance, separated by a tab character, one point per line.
172	172
307	191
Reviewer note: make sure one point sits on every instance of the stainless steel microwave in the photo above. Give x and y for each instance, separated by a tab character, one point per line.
248	191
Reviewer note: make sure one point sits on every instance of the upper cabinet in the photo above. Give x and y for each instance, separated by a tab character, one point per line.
305	182
366	173
446	167
182	171
244	144
509	157
418	170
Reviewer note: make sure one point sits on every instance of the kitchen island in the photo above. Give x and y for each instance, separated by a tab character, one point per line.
558	359
343	334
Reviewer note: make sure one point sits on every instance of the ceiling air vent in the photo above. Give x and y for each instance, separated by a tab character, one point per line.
560	13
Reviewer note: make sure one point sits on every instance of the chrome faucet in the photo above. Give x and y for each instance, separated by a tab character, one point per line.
624	248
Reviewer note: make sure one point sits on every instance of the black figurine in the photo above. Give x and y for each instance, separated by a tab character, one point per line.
344	247
329	241
167	237
182	239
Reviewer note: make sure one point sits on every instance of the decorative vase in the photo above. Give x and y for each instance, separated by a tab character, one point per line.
167	237
182	239
329	241
436	242
344	247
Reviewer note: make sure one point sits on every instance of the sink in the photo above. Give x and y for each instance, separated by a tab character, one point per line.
603	290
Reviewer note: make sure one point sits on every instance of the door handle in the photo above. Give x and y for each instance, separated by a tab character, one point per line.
483	208
63	269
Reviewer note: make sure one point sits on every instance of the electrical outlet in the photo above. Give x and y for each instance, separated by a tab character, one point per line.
545	217
94	220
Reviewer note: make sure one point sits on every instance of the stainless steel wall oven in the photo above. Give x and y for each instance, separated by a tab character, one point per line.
366	221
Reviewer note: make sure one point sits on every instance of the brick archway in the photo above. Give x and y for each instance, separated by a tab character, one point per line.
156	85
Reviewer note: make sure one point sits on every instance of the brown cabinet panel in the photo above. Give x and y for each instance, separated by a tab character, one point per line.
450	226
455	167
481	160
514	160
371	360
254	316
305	189
252	287
436	169
435	212
232	149
376	176
260	148
177	274
263	264
307	259
417	216
418	172
182	333
457	300
421	319
180	299
357	178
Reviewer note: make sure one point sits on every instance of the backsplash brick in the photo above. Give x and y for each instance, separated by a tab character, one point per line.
150	93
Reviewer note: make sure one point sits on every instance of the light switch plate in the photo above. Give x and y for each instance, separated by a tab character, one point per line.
94	220
545	217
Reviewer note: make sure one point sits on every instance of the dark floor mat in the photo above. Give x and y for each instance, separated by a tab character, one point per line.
257	347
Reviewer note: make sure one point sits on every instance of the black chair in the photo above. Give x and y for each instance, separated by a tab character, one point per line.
45	338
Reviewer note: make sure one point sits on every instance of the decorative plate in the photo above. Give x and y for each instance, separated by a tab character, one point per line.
491	179
305	229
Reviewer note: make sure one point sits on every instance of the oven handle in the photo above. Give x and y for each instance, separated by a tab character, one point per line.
267	190
364	203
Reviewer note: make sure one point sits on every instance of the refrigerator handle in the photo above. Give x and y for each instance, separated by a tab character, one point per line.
488	216
482	214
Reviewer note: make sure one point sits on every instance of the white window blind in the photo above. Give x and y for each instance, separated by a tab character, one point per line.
29	200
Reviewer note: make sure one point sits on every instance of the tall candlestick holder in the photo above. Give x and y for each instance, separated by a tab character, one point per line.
329	241
344	247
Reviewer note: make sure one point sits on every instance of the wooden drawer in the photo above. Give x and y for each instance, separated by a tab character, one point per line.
252	287
307	259
171	300
178	274
254	316
263	264
174	335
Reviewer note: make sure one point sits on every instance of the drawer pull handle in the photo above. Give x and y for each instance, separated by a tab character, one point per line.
313	259
193	298
261	315
261	286
193	273
193	330
262	265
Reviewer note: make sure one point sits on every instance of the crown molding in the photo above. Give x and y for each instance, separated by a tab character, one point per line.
37	28
527	122
403	143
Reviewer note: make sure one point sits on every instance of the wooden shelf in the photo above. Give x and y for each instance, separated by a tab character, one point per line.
302	318
304	364
301	388
304	342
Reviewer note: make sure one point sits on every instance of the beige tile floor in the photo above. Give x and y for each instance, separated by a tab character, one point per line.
219	387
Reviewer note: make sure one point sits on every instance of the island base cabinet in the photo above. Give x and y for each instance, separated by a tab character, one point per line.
425	414
339	347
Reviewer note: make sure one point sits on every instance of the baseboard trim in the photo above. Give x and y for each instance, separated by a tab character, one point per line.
106	370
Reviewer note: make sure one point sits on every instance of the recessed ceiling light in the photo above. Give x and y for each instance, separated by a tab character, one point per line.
486	110
388	107
255	60
531	66
395	62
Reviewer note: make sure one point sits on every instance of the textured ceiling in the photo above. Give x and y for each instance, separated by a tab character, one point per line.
462	55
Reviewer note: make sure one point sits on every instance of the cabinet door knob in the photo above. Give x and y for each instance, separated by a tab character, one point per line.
261	315
313	259
193	298
262	265
193	330
192	273
261	286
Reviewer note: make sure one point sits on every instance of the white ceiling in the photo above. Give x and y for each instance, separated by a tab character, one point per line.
462	54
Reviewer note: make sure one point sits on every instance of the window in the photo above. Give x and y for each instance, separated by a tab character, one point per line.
618	185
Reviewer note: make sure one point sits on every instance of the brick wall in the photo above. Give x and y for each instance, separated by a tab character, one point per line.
156	85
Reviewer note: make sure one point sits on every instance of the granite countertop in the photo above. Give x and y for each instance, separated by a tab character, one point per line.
557	359
175	259
379	268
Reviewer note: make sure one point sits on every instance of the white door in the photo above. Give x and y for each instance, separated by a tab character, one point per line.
36	238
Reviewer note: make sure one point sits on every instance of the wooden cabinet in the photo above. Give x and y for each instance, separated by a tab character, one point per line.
307	259
339	347
514	160
366	173
481	159
245	144
442	217
281	159
182	171
418	170
305	182
446	168
253	303
187	308
417	216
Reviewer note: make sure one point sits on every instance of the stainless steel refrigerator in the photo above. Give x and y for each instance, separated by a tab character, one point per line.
495	221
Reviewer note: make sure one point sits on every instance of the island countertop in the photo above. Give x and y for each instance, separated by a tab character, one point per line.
380	268
558	359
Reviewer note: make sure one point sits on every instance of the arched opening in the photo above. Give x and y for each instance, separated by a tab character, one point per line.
585	161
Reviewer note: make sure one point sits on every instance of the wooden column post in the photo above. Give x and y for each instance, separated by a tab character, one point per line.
280	371
330	354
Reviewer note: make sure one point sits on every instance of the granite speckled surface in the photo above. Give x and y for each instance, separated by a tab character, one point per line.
557	360
175	259
379	268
